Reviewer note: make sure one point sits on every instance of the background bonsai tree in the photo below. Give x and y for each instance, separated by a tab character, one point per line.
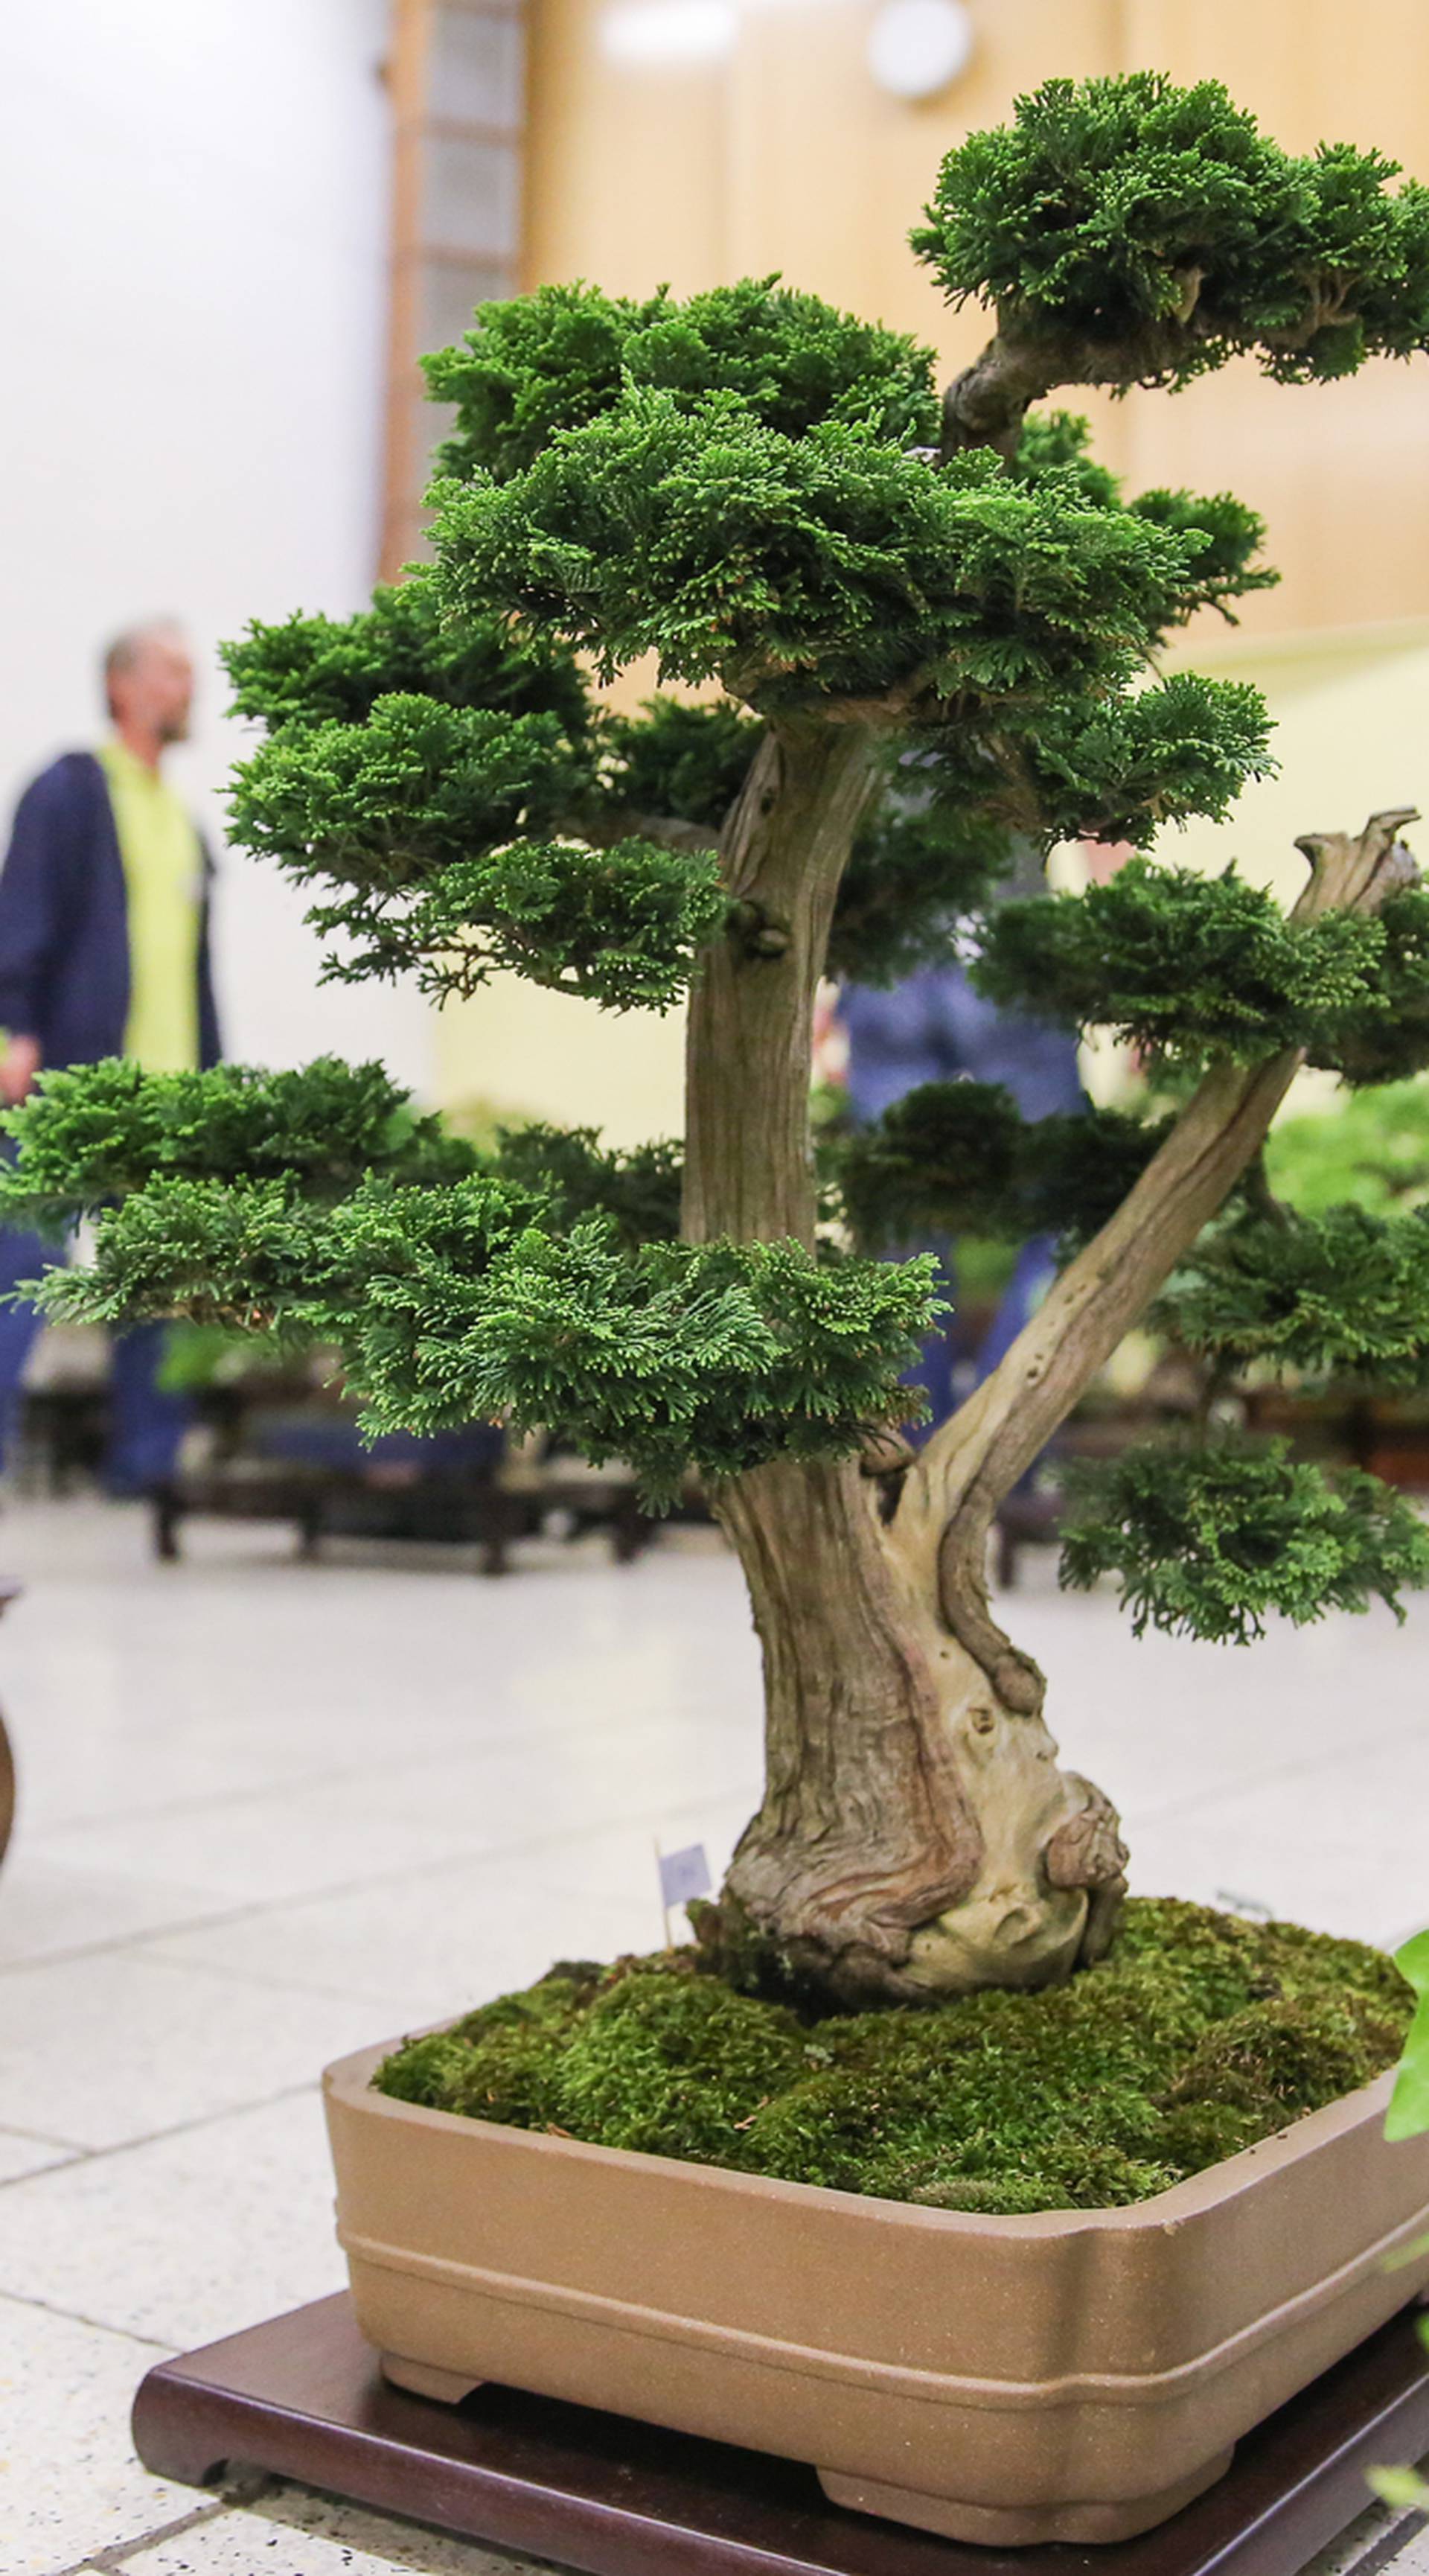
923	628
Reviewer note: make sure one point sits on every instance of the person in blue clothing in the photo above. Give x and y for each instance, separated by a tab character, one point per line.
935	1027
104	951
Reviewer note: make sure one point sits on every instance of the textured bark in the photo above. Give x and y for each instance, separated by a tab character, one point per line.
915	1835
1030	356
864	1832
985	406
909	1813
748	1170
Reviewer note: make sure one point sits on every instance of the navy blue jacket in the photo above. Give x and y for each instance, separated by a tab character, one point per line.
64	922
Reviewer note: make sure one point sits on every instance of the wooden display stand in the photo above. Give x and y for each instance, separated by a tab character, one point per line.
302	2397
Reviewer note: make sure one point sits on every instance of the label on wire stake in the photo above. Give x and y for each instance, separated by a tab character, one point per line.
684	1875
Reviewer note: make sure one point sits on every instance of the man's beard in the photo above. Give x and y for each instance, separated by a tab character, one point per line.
172	729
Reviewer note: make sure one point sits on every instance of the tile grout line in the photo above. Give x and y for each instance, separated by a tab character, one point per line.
460	1749
39	2137
176	2129
113	2559
56	2164
132	1941
77	2317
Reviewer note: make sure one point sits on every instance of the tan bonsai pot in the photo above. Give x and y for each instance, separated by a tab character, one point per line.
1075	2376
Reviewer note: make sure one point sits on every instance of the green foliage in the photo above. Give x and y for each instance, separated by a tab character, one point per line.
1225	563
1174	960
943	1159
682	760
716	1355
919	868
1371	1148
575	1177
389	803
1388	1038
1115	767
436	822
1146	233
252	1255
1109	757
621	923
538	364
458	1305
95	1132
1343	1294
1408	2115
1200	2035
1060	443
1207	1542
322	670
442	778
960	797
955	1158
793	568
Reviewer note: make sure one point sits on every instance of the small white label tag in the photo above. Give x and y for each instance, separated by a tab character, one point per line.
684	1875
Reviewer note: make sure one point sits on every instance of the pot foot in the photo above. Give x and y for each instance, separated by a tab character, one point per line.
423	2379
1020	2526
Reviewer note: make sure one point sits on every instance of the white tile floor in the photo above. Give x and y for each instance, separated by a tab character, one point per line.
270	1812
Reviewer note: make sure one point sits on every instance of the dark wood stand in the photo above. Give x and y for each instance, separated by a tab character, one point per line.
302	2396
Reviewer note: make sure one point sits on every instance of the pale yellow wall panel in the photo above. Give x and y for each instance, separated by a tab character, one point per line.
1340	472
1312	70
1350	740
625	172
518	1052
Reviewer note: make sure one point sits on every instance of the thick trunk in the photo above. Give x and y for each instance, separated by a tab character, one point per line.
915	1834
748	1169
864	1832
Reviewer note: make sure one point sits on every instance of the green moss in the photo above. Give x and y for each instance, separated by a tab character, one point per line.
1199	2035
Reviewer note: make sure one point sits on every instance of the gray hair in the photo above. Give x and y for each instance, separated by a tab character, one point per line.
124	651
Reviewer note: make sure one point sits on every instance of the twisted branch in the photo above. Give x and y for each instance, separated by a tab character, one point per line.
969	1466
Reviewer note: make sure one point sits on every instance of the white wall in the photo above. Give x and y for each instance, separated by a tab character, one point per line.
193	204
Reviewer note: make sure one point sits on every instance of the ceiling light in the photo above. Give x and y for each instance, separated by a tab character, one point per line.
668	33
917	47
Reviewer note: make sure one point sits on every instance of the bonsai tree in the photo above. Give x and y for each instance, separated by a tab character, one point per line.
909	632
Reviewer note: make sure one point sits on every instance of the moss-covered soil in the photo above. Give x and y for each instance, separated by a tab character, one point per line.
1199	2035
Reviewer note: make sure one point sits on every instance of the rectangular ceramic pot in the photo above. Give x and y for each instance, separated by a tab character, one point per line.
1077	2375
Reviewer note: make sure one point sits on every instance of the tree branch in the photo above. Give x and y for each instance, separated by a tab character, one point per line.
969	1466
1023	362
985	405
622	823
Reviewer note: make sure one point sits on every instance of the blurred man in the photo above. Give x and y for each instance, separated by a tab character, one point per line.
936	1028
104	951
